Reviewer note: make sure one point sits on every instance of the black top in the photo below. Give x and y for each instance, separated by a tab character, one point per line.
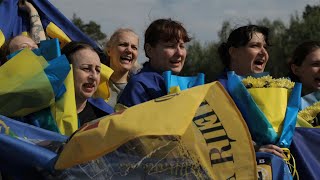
90	113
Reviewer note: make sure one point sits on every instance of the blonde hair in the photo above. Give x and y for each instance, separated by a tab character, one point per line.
111	42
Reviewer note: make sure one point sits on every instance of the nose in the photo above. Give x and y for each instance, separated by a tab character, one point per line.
179	51
129	49
94	75
264	51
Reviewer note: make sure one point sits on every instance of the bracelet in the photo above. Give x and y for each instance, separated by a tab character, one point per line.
35	15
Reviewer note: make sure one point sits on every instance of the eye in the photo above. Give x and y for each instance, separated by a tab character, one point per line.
134	47
86	69
182	46
169	45
98	70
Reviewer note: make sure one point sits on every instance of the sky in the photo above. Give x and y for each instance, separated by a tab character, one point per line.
202	18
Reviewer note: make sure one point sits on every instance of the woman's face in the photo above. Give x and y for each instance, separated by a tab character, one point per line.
124	52
86	72
20	42
309	72
167	56
251	58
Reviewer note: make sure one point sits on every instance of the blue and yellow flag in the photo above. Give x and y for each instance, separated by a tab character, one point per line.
25	148
198	133
176	83
13	22
269	110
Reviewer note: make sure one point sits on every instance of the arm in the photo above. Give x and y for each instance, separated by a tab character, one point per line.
36	29
270	148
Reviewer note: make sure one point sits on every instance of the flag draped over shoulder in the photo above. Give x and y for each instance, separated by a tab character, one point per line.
14	21
203	122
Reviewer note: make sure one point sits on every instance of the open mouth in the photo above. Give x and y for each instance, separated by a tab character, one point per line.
126	59
259	62
89	87
175	63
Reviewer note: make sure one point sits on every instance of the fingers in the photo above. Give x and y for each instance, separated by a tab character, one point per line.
270	148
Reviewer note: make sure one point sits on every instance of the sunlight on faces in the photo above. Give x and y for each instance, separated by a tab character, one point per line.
251	58
167	56
86	72
309	72
20	42
123	54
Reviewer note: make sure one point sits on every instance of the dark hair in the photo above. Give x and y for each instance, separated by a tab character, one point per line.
69	49
165	30
4	52
240	37
299	55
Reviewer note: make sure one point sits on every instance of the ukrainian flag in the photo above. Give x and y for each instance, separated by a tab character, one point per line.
13	22
25	148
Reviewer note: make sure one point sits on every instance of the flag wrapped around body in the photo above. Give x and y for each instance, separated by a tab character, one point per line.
269	107
196	125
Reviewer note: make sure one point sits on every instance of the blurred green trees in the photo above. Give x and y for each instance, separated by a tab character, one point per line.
284	38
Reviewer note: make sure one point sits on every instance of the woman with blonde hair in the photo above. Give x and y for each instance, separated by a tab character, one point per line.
122	50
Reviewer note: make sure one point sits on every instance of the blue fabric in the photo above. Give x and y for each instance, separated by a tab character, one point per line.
144	86
305	149
13	21
20	149
101	104
290	119
279	168
184	82
309	99
262	131
8	16
57	72
50	49
49	13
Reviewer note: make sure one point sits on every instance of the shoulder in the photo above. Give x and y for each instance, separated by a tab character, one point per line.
101	104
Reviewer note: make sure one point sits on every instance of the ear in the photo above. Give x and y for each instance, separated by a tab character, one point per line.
295	69
148	50
232	52
107	50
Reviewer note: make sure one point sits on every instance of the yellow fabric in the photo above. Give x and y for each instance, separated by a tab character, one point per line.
64	110
273	103
103	88
54	31
174	89
25	87
210	127
25	33
2	38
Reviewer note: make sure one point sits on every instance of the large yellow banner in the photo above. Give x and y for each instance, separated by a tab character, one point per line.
201	123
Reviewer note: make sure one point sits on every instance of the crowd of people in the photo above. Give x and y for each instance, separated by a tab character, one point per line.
165	45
